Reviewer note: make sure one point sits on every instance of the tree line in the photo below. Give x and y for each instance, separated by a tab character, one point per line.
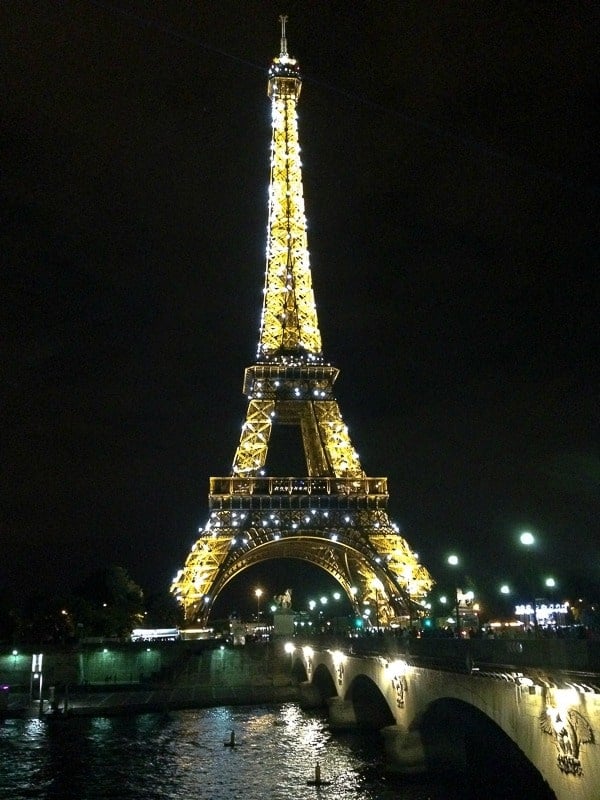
107	603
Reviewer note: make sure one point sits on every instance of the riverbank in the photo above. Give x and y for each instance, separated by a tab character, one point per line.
102	680
137	701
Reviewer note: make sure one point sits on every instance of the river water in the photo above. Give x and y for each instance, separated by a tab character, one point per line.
182	755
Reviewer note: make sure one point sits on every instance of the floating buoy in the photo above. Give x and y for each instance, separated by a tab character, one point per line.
318	781
231	742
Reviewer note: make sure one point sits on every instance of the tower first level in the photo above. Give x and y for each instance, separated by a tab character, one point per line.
334	516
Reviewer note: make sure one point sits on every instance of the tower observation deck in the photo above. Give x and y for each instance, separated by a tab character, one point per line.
334	516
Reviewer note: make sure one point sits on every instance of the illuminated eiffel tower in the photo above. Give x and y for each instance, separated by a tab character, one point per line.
335	517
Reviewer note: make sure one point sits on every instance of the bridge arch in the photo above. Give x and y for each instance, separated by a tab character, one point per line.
460	738
323	682
371	709
299	673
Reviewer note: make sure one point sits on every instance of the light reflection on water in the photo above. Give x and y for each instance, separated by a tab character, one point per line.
183	755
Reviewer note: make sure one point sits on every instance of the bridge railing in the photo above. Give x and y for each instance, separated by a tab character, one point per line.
570	655
549	654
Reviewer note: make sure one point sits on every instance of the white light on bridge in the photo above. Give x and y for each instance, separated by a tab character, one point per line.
338	658
524	681
397	668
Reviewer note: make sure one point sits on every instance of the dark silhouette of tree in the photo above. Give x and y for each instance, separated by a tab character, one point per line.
163	611
11	620
46	618
108	603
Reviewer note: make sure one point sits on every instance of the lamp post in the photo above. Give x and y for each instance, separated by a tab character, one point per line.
550	583
258	593
527	539
453	560
443	601
355	606
290	648
378	586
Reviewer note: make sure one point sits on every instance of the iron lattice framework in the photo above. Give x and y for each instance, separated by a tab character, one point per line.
335	517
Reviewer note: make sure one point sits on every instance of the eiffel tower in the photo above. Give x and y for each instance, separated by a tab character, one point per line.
335	517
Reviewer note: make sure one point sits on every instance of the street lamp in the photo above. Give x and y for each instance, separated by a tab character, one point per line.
378	586
354	602
527	539
553	611
453	560
258	593
290	648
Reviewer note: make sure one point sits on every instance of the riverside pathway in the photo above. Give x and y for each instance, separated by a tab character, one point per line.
144	700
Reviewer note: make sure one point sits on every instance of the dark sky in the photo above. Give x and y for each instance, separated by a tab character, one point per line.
451	192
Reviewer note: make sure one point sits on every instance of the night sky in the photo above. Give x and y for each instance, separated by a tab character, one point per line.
451	193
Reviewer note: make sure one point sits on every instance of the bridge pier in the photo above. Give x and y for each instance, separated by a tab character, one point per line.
404	750
309	695
342	716
410	752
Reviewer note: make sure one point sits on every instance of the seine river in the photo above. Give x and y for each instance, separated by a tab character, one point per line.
182	756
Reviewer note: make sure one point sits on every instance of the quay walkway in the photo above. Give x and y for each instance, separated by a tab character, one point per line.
138	700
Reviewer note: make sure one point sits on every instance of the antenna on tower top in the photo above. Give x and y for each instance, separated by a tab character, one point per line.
283	20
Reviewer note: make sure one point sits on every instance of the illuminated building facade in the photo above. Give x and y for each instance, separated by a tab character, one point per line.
335	516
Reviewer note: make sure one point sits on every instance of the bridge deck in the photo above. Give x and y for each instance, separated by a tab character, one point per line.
575	661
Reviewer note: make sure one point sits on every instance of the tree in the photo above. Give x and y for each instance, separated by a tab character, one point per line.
163	611
109	603
46	619
11	623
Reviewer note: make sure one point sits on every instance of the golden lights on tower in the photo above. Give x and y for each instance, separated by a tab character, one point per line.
289	315
334	516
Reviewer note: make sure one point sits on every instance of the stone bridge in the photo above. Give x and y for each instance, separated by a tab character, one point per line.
442	704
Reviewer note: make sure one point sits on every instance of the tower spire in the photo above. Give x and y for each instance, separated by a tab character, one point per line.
289	326
283	53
